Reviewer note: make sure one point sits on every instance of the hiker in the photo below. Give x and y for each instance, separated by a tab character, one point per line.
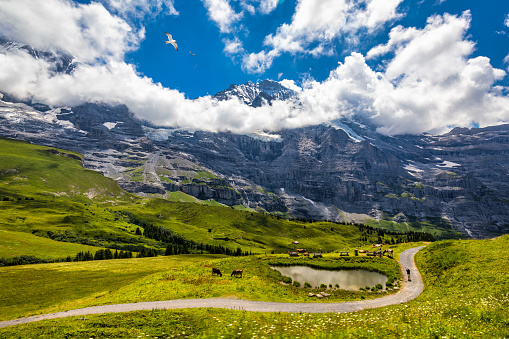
408	273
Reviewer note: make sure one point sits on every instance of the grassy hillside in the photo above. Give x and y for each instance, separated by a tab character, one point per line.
15	244
32	171
466	296
45	192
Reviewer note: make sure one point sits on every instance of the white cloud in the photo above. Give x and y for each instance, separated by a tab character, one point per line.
233	46
258	62
506	22
424	88
222	14
267	6
289	84
435	83
140	8
88	32
319	23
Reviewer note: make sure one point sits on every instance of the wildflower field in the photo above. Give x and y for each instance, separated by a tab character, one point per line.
466	296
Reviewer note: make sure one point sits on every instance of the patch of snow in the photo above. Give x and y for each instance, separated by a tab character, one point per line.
448	164
111	125
339	125
413	170
158	134
469	233
266	137
310	201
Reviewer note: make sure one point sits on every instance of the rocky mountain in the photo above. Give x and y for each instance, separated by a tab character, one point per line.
342	170
258	94
337	171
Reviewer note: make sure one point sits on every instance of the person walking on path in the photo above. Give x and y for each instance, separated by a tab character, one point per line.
408	273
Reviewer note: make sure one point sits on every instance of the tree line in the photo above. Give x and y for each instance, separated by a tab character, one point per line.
175	243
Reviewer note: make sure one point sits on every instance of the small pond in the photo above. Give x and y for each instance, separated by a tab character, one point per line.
346	279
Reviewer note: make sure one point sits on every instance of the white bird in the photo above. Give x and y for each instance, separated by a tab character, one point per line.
171	41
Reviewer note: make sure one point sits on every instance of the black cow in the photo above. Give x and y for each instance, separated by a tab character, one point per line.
217	271
237	273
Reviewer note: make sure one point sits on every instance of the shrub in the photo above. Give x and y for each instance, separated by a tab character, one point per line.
307	285
323	286
337	285
379	286
296	284
287	280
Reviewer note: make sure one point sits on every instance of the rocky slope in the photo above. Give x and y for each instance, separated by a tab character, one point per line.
336	171
342	170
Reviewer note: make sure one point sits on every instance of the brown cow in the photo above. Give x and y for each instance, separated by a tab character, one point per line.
217	271
237	273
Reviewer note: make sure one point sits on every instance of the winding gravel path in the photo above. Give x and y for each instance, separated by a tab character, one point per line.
409	290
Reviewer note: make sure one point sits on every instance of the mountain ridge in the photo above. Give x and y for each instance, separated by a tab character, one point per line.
341	170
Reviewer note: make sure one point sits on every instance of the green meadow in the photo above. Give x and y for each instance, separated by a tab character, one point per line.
466	296
53	208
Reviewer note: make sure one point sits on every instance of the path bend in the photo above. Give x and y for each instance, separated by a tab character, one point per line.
409	290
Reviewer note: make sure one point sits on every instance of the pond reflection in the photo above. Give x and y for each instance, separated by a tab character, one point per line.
346	279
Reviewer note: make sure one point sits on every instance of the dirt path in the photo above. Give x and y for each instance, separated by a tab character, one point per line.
409	290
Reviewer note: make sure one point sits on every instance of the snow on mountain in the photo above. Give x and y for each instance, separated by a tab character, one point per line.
258	94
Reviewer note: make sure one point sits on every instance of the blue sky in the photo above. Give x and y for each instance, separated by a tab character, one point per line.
403	66
211	70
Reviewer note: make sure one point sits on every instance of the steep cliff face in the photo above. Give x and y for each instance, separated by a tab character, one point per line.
331	171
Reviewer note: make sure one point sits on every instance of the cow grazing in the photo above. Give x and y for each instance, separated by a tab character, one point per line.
293	254
217	271
237	273
389	252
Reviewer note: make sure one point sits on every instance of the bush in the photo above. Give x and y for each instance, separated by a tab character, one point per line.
287	280
379	286
323	286
296	284
307	285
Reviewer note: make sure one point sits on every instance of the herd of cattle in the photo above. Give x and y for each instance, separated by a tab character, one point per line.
235	273
238	273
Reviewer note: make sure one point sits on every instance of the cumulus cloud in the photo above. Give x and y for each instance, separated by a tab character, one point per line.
267	6
259	62
290	84
233	46
424	87
88	32
140	8
435	82
319	23
222	14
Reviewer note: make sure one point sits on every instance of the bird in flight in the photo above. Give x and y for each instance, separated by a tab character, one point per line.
171	41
